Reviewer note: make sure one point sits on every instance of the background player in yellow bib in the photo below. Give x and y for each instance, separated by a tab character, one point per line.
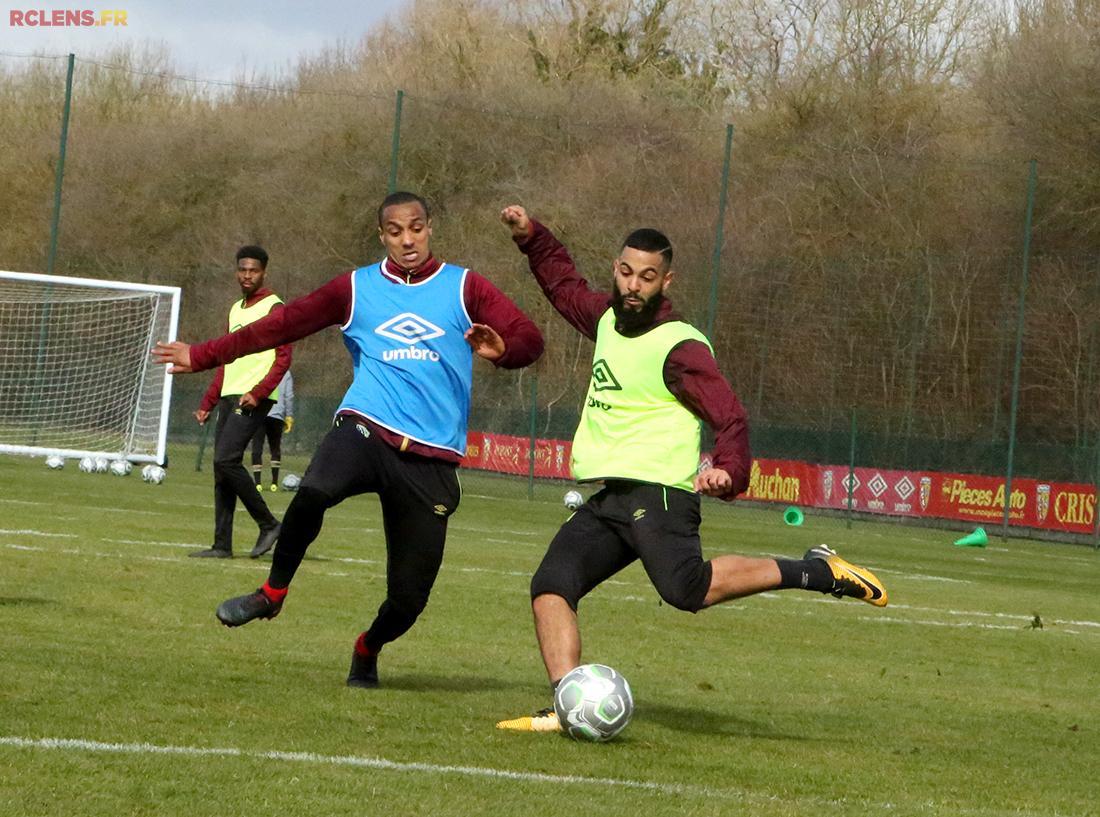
654	378
244	392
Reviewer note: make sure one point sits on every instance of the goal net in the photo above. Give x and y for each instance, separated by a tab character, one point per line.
76	377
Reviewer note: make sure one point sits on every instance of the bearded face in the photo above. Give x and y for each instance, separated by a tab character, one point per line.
634	311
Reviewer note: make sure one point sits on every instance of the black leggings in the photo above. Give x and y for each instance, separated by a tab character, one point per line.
418	495
236	426
272	429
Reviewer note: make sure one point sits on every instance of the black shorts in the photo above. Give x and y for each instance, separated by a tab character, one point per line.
623	522
351	460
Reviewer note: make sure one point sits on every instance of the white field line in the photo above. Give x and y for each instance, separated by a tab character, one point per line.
29	532
351	529
522	499
794	597
886	618
976	625
873	616
234	564
469	529
526	574
483	772
378	763
54	504
922	576
154	542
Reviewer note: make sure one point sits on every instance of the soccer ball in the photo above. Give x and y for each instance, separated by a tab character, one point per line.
291	482
593	703
101	465
121	468
153	474
87	465
573	500
55	462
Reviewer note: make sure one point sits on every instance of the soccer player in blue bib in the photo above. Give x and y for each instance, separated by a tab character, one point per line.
412	326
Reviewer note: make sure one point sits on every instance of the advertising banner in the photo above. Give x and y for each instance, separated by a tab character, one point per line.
1059	506
511	455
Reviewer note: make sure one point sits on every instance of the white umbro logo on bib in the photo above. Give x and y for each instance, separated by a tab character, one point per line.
409	328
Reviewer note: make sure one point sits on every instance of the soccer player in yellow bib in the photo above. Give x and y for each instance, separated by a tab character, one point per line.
654	378
244	392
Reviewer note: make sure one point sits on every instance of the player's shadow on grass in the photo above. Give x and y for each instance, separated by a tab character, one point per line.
423	682
709	722
24	601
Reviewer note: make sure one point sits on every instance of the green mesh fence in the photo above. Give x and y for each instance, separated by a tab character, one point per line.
846	289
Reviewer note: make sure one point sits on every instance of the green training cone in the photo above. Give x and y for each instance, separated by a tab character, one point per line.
977	539
793	516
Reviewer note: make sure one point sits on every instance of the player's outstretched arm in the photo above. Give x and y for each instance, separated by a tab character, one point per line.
177	354
555	272
328	305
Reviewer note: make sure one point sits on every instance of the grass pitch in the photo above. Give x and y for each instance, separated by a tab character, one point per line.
973	693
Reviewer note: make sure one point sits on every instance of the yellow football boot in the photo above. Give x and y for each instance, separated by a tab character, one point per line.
849	579
545	720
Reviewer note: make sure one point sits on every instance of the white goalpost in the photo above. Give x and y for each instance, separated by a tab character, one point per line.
76	376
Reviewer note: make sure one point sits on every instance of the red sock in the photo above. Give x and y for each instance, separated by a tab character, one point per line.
361	646
275	594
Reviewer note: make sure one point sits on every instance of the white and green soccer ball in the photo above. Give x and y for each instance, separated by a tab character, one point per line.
593	703
573	500
121	468
101	465
86	465
152	474
54	462
291	482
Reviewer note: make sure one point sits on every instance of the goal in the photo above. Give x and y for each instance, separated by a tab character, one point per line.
76	376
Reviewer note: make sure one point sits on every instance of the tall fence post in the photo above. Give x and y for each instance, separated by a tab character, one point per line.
533	432
916	334
51	253
59	175
1096	488
395	145
716	257
758	406
851	467
1021	313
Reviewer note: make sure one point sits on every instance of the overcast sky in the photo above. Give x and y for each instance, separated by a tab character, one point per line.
209	39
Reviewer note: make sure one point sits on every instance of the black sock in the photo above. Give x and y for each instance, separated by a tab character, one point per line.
258	473
275	473
805	574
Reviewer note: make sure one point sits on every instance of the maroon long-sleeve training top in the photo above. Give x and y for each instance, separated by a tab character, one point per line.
271	380
690	371
331	305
